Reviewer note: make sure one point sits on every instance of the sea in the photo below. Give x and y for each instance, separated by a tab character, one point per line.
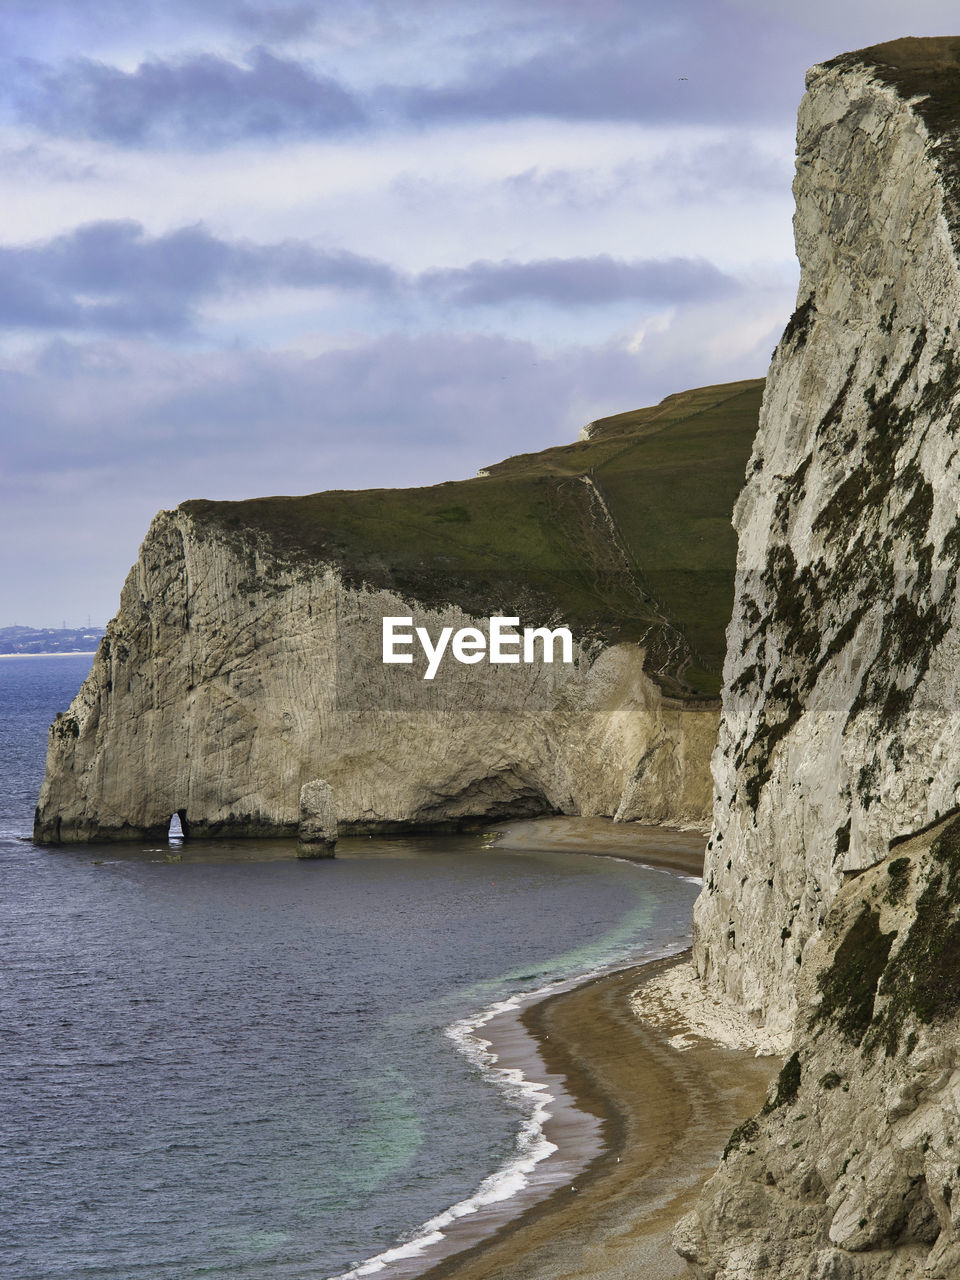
217	1060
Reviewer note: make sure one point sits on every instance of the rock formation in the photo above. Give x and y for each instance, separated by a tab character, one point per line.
852	1170
245	660
839	730
839	718
317	828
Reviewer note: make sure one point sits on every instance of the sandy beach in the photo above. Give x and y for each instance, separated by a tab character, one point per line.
666	847
665	1112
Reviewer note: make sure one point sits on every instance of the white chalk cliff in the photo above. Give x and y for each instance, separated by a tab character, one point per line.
840	727
231	677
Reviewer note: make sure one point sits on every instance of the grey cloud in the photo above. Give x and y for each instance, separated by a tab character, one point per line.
277	22
36	160
703	61
127	428
730	167
383	406
700	63
395	410
194	102
573	282
112	276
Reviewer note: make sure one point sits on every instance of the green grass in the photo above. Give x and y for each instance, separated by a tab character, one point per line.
625	536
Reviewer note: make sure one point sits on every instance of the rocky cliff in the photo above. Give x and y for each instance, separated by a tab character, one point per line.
852	1169
839	730
839	718
245	659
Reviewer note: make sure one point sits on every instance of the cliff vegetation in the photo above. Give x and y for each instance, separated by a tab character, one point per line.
625	536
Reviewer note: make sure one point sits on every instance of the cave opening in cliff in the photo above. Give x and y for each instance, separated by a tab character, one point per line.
177	831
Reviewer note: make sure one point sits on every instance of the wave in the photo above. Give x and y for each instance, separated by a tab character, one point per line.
531	1144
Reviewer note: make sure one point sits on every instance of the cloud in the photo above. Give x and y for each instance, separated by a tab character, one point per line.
390	411
394	410
574	282
192	102
112	276
857	23
125	427
730	167
277	22
39	163
701	64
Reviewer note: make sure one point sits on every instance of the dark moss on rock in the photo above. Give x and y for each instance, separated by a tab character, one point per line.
922	980
899	873
848	987
746	1132
799	324
65	726
788	1085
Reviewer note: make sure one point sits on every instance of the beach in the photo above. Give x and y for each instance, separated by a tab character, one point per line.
671	848
662	1113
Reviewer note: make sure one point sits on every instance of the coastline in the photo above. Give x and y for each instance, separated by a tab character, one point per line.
66	653
665	1114
640	1111
680	850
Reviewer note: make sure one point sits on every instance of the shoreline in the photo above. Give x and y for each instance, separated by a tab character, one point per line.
566	1137
641	1177
676	849
665	1115
605	1202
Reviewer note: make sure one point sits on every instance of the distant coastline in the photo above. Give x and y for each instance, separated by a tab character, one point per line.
63	653
49	642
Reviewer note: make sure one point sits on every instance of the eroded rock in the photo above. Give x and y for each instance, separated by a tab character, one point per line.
317	828
231	677
840	730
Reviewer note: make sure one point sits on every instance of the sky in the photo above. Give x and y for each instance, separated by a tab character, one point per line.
271	246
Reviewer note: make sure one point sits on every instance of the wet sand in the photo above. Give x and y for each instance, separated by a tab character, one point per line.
680	851
664	1113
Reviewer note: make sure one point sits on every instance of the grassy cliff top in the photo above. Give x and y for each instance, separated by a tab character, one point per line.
625	536
925	69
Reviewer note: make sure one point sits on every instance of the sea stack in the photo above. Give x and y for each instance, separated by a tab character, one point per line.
840	728
317	829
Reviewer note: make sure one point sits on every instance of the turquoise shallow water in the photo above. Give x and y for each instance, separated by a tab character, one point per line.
236	1065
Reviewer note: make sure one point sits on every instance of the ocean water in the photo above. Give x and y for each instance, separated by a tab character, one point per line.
243	1065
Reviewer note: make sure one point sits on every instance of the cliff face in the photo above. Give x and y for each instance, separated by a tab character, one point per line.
245	659
227	681
839	723
852	1170
839	730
